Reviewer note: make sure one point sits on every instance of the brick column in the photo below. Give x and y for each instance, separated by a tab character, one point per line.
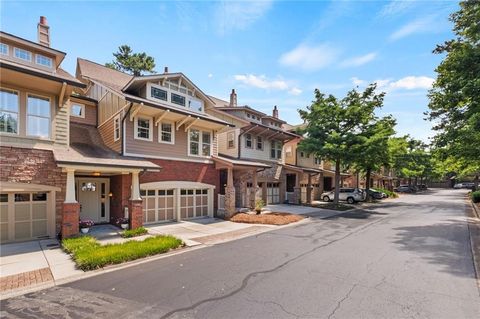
229	195
70	217
135	213
309	189
253	190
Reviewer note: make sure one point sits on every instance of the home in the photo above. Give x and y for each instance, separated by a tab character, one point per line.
251	157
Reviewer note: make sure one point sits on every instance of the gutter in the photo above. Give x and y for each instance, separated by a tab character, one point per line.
123	128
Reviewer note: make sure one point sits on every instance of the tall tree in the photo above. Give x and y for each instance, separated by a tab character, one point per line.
133	63
455	96
373	152
334	128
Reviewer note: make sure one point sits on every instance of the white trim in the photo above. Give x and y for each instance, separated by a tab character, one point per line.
15	54
50	120
24	187
101	169
150	128
205	161
115	137
46	57
251	141
175	184
18	112
149	92
200	142
82	113
172	132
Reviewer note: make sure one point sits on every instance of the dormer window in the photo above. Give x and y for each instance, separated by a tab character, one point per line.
159	94
178	99
23	54
3	49
43	60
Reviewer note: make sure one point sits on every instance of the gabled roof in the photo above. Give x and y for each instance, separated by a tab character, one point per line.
110	77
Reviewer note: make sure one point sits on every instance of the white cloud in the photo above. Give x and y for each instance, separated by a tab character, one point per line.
359	60
210	75
310	58
295	91
396	7
421	25
262	82
405	83
238	15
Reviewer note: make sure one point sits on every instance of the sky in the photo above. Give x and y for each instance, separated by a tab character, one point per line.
271	52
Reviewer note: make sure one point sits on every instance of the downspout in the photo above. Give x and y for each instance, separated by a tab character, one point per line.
239	141
123	126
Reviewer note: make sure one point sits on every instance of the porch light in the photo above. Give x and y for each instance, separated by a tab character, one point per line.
96	174
110	194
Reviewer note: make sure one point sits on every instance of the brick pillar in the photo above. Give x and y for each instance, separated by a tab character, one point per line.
253	190
297	195
309	189
229	195
70	218
135	213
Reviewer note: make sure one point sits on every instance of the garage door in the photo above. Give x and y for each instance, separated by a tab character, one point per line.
23	216
273	193
193	203
158	205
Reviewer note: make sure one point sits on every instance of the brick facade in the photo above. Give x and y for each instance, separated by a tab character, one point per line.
22	165
120	186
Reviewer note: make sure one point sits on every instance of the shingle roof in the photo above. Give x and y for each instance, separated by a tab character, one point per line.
87	148
113	78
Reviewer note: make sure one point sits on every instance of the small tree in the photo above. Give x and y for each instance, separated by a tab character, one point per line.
334	128
133	63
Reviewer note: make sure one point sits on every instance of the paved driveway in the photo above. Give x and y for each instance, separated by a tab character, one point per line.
405	259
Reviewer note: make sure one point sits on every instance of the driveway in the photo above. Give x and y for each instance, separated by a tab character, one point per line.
403	259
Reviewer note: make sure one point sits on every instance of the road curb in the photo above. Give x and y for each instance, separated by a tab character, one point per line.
473	225
476	211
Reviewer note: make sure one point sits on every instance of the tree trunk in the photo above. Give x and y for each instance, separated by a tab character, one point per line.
337	182
358	179
367	188
475	183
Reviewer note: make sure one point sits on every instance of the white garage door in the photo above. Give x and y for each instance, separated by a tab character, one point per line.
23	216
193	203
273	193
158	205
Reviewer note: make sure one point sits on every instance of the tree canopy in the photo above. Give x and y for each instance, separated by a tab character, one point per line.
455	96
133	63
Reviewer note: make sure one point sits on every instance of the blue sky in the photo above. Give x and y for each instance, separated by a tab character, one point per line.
272	52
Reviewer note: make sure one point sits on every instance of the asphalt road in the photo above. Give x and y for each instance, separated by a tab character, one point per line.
405	259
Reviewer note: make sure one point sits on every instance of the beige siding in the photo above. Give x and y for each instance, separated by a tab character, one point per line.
108	102
290	152
253	153
61	125
156	149
32	63
106	132
222	143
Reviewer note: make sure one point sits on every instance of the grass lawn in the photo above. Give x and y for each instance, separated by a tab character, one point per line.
268	219
88	254
135	232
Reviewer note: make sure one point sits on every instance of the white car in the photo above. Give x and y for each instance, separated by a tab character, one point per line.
463	185
351	195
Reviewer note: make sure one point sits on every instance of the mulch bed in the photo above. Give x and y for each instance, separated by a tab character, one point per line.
273	218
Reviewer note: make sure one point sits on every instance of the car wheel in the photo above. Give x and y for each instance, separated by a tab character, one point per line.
351	200
326	198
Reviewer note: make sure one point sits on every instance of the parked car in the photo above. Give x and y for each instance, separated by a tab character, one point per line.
422	187
404	189
351	195
468	185
375	193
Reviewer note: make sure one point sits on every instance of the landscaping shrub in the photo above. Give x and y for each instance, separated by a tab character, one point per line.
135	232
89	254
386	191
476	197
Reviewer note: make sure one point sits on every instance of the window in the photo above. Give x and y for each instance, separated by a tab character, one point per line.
178	99
231	140
38	116
276	150
116	128
143	128
159	94
23	54
248	115
43	60
3	49
78	110
199	143
9	105
166	134
317	160
302	154
195	104
248	140
259	143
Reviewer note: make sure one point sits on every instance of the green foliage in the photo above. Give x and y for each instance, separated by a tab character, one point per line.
388	192
336	130
134	232
259	204
454	99
133	63
476	197
89	254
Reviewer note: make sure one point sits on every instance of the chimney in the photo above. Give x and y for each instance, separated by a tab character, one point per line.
43	32
233	98
275	112
165	70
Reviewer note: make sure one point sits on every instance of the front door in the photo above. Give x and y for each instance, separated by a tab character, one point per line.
93	198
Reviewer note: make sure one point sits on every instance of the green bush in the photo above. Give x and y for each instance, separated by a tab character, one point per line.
89	254
135	232
476	197
386	191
